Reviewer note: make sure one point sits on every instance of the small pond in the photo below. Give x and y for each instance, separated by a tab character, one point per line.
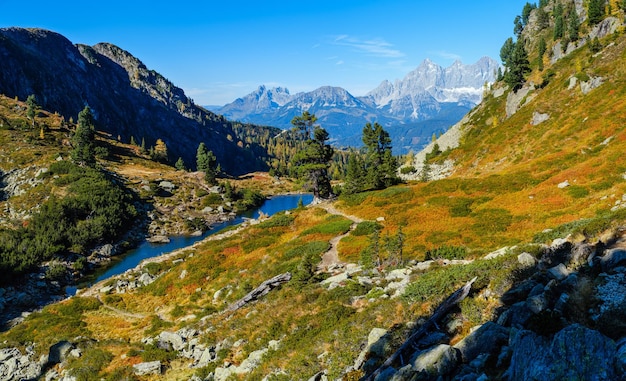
147	249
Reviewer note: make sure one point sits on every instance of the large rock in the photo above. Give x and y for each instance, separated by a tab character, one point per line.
171	340
146	368
59	352
575	353
436	361
488	338
610	314
613	258
375	347
14	366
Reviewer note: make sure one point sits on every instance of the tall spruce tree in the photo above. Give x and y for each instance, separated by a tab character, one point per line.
380	163
83	140
206	162
507	51
31	111
573	25
518	67
355	175
313	161
558	21
595	11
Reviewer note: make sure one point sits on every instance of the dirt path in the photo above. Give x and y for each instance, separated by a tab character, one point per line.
331	257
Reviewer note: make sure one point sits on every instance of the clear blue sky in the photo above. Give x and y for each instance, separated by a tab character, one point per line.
218	51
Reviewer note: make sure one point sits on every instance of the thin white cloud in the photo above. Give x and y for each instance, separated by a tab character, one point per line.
448	55
340	62
375	47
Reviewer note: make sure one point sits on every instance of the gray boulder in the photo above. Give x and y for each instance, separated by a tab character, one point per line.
612	259
488	338
171	340
147	368
59	352
438	360
575	353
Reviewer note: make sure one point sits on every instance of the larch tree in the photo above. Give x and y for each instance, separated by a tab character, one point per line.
517	67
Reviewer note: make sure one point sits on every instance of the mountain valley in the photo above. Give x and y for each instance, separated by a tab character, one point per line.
502	256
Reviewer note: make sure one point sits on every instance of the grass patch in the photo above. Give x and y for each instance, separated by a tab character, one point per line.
333	224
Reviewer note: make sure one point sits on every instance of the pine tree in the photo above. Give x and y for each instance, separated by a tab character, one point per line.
206	162
355	175
313	161
83	140
542	50
507	51
558	21
518	67
31	110
380	163
180	164
595	11
528	8
574	25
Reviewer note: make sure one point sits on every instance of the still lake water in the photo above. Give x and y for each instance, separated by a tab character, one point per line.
147	249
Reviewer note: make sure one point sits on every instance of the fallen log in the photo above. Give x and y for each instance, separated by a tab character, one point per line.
455	298
260	291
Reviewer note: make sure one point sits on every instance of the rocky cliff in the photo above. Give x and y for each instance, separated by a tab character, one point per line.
127	99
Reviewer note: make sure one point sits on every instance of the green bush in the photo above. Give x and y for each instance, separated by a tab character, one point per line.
88	366
277	220
407	170
366	228
333	224
447	252
577	191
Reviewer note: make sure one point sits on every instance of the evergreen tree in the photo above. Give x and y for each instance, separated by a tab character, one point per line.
31	110
574	25
543	4
542	50
355	175
206	162
558	21
519	26
518	67
180	164
595	11
380	163
507	51
313	161
528	8
83	140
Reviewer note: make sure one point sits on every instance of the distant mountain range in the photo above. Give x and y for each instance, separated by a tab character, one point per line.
427	100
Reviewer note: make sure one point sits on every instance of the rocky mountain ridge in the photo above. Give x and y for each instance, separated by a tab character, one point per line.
427	100
126	98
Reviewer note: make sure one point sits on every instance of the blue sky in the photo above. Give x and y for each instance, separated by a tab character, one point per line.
218	51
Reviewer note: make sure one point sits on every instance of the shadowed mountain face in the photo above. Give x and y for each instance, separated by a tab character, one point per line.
126	98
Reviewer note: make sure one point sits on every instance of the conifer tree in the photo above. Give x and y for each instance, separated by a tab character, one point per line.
313	161
558	21
507	51
542	50
518	67
206	162
180	164
380	163
574	25
31	111
595	11
355	175
83	140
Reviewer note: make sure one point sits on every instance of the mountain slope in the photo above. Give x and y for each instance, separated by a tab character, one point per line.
127	99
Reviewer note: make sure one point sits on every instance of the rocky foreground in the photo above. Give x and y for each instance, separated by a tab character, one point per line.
563	320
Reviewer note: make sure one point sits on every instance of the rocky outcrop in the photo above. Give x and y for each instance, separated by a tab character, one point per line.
564	322
15	366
